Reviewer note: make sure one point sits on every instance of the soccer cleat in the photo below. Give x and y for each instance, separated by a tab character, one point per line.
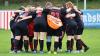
34	52
55	52
77	51
11	52
86	49
41	52
68	51
18	51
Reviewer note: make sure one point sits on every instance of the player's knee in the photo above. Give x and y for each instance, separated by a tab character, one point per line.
17	37
25	38
56	38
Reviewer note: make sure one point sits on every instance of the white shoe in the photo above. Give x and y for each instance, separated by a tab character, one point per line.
11	52
77	51
19	51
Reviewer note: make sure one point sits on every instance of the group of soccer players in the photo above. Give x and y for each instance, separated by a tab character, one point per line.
29	26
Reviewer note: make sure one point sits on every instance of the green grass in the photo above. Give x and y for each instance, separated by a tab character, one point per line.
91	37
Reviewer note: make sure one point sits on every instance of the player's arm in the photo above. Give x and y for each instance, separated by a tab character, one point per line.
77	10
28	17
70	15
33	15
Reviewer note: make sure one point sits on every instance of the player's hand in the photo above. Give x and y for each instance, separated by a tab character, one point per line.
19	20
68	10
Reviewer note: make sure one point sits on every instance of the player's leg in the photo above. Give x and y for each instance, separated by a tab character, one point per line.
31	42
79	42
12	42
60	40
17	39
21	44
35	41
16	43
48	43
48	39
41	41
56	43
71	30
26	42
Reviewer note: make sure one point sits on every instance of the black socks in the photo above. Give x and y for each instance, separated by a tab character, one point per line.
78	44
16	45
41	44
12	44
56	45
60	43
26	45
48	46
35	44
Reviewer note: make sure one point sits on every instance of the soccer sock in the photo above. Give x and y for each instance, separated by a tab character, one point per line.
35	44
82	43
20	44
56	45
26	45
12	44
41	44
16	44
31	43
78	45
31	46
68	45
48	46
72	44
60	43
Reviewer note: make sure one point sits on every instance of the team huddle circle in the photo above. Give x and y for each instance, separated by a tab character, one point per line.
30	25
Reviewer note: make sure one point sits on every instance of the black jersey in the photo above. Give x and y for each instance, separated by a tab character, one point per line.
78	17
26	21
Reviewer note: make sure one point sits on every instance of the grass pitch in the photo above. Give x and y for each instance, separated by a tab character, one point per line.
91	37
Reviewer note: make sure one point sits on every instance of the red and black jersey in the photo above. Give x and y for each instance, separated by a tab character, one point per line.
30	28
55	12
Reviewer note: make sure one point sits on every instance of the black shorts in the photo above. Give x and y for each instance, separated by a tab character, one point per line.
21	29
80	28
12	27
71	27
40	25
52	32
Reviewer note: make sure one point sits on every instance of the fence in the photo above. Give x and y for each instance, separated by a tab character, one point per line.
5	16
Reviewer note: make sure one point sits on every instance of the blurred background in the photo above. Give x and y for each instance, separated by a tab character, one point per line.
15	4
